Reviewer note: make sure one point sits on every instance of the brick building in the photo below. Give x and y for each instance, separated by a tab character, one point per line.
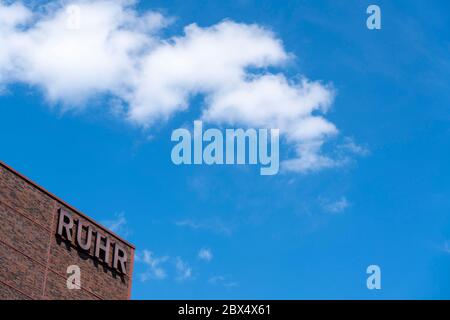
41	236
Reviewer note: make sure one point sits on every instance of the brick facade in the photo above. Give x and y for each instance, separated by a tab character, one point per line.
34	258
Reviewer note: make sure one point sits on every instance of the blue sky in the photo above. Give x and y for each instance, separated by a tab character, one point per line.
295	235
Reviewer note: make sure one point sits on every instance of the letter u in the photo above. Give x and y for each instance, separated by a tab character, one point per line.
87	245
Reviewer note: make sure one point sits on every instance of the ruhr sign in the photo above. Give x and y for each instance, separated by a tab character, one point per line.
71	229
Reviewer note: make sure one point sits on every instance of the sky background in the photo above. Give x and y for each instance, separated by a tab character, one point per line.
295	235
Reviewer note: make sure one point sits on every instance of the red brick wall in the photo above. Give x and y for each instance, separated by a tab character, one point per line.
34	260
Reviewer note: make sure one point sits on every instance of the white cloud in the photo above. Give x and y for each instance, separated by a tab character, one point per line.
118	52
335	206
215	225
309	158
163	267
184	271
225	281
203	60
155	266
73	65
205	254
349	146
118	225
